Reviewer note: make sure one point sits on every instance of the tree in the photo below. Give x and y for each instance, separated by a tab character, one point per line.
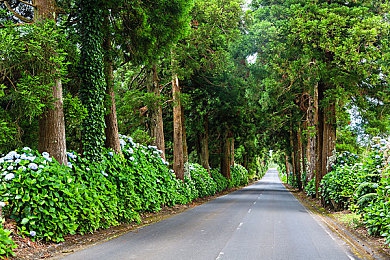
209	66
330	50
51	121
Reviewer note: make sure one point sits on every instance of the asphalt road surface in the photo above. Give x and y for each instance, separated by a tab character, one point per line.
260	221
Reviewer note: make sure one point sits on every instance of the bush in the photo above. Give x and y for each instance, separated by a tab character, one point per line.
238	176
202	180
40	194
6	243
154	183
310	188
338	186
219	179
376	215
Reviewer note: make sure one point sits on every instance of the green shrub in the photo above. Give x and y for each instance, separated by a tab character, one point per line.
6	243
219	179
310	188
204	184
238	176
39	193
376	215
337	187
154	183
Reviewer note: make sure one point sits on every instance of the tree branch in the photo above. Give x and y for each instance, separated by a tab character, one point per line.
26	3
20	17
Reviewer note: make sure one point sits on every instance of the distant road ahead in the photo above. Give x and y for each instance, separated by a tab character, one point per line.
261	221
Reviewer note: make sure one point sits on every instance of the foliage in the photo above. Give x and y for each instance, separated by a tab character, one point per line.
31	58
239	176
204	183
6	242
75	113
91	72
220	180
362	183
310	188
153	181
373	202
339	185
39	193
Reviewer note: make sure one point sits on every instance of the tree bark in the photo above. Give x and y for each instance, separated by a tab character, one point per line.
111	129
178	157
45	9
299	157
326	137
184	136
156	115
52	128
204	144
227	159
52	123
311	121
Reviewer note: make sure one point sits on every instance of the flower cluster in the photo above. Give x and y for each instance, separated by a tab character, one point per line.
19	161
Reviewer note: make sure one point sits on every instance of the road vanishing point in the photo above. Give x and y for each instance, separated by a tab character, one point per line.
261	221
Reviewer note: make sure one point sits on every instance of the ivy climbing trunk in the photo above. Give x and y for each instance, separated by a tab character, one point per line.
178	156
52	122
156	114
93	85
111	130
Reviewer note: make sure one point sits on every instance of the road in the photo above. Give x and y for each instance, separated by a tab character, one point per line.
260	221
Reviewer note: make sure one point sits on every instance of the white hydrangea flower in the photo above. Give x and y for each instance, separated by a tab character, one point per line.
9	176
33	166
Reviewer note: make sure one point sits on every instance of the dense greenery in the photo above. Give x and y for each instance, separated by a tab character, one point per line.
85	196
6	243
287	76
362	185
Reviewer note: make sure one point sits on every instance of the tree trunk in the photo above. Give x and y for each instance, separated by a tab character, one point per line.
326	137
204	144
156	115
288	167
311	123
45	9
52	128
111	130
184	137
52	122
227	159
178	157
299	157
